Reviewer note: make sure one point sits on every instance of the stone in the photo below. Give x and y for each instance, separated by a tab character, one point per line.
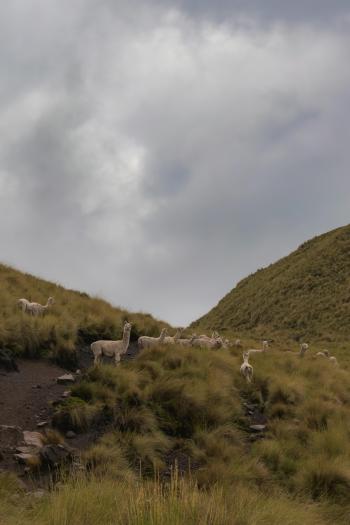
27	459
257	428
54	455
66	393
70	434
66	379
7	360
34	439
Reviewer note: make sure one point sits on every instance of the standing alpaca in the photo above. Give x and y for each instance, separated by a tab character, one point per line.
112	348
265	347
35	308
173	340
303	349
246	368
145	341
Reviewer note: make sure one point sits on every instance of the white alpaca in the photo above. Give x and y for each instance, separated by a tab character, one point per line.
186	342
173	340
246	369
334	361
206	342
265	347
303	349
145	341
325	353
112	348
35	308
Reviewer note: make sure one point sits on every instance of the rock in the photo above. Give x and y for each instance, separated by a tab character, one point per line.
66	379
78	372
54	455
257	428
66	393
42	424
70	434
29	460
26	450
10	428
7	360
34	439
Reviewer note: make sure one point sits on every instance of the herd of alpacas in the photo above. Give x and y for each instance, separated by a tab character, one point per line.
115	349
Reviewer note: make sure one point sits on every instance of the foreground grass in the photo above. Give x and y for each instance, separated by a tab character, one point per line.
107	502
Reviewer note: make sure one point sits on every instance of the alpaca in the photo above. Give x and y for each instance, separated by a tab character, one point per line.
303	349
238	343
334	361
186	342
173	340
23	304
112	348
145	341
246	369
206	342
325	353
35	308
265	347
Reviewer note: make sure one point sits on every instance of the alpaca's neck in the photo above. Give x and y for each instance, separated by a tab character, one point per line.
126	339
177	335
161	337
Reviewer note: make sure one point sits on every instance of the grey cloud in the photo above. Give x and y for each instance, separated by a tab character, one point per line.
155	159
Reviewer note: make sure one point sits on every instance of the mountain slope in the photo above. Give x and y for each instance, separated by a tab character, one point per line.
74	319
305	293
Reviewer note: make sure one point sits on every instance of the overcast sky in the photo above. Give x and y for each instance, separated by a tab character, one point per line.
154	152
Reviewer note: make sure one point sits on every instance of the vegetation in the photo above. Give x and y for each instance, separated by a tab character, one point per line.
177	443
304	295
75	320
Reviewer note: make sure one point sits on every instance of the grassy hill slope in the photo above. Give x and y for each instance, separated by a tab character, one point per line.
306	293
75	319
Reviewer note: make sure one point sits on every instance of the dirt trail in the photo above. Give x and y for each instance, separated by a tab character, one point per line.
25	396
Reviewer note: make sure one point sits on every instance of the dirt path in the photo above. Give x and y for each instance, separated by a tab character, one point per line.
25	396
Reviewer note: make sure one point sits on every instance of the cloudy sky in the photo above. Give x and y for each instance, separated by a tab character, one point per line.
154	152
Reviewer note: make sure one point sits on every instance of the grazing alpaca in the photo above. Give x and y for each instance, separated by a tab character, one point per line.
238	343
246	368
112	348
173	340
145	341
186	342
325	353
206	342
303	349
35	308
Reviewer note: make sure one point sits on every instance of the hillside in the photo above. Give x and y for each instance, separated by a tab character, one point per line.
305	294
75	320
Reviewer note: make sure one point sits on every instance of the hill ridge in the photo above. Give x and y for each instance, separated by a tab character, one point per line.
306	293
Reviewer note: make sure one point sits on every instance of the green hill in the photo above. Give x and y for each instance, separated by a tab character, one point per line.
304	294
76	319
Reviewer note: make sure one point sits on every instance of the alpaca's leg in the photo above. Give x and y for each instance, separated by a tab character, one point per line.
117	358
